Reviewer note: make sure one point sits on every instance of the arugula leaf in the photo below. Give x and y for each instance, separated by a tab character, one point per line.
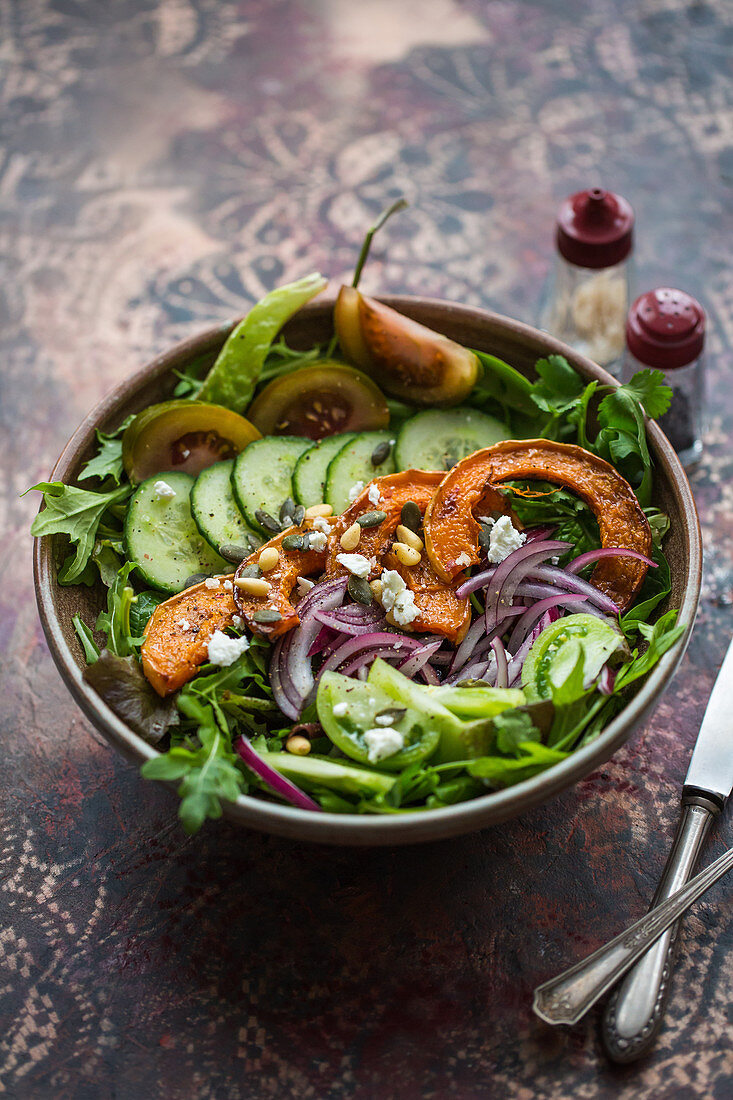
657	585
108	460
121	683
76	513
660	637
659	523
142	608
503	771
85	636
115	621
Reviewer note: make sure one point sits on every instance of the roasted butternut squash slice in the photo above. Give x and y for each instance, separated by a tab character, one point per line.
282	579
441	612
178	632
451	527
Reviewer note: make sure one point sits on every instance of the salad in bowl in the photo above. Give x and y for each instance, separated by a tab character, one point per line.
383	574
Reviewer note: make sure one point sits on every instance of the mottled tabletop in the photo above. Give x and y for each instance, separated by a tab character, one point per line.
164	163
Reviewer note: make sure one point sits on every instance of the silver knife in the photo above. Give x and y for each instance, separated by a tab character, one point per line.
634	1012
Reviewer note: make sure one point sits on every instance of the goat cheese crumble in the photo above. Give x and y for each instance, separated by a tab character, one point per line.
340	709
183	624
317	541
304	586
322	525
382	743
504	539
463	559
355	563
163	490
383	719
374	495
212	582
224	650
355	489
398	598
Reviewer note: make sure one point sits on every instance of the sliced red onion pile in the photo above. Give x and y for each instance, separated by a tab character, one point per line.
521	596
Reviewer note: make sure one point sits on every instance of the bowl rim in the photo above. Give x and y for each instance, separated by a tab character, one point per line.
425	825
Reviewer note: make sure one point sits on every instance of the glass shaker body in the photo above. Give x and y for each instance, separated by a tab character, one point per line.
587	309
587	298
683	421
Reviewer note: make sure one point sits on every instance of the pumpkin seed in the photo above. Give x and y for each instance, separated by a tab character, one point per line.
252	570
380	453
293	542
267	521
484	537
195	578
371	519
411	515
231	552
359	590
287	509
299	515
266	615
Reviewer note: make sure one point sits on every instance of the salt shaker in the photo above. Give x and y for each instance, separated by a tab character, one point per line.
588	295
665	328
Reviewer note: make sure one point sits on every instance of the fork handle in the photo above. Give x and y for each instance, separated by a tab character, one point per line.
635	1010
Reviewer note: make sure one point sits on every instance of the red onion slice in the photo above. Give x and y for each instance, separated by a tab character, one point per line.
607	552
568	582
354	627
532	614
277	783
513	570
418	661
502	678
365	646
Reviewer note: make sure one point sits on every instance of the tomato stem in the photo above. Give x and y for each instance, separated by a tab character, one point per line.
398	204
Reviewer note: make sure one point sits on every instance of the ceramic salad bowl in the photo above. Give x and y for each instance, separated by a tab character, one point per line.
518	344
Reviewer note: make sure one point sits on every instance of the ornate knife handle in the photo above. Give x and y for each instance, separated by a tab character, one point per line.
635	1010
565	999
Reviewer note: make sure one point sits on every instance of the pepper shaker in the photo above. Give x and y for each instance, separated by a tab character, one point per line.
588	294
665	328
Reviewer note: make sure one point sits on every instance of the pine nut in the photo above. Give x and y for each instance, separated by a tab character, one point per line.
350	539
253	586
269	558
377	588
406	554
318	510
404	534
299	746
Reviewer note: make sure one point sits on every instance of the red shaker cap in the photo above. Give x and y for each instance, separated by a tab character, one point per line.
595	228
665	328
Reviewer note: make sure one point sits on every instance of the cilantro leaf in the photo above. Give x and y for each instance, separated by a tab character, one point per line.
650	389
76	513
209	772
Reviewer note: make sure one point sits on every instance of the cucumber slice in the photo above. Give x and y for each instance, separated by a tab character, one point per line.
262	477
353	464
161	537
309	476
438	438
215	510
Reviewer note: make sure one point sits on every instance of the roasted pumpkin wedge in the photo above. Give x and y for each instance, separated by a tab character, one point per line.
177	634
471	486
272	613
441	612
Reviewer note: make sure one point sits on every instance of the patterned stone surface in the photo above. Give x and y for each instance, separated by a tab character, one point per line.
164	162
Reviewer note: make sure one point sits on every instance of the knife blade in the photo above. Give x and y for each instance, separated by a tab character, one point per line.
711	766
634	1013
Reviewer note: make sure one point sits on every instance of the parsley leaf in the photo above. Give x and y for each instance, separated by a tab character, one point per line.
76	513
